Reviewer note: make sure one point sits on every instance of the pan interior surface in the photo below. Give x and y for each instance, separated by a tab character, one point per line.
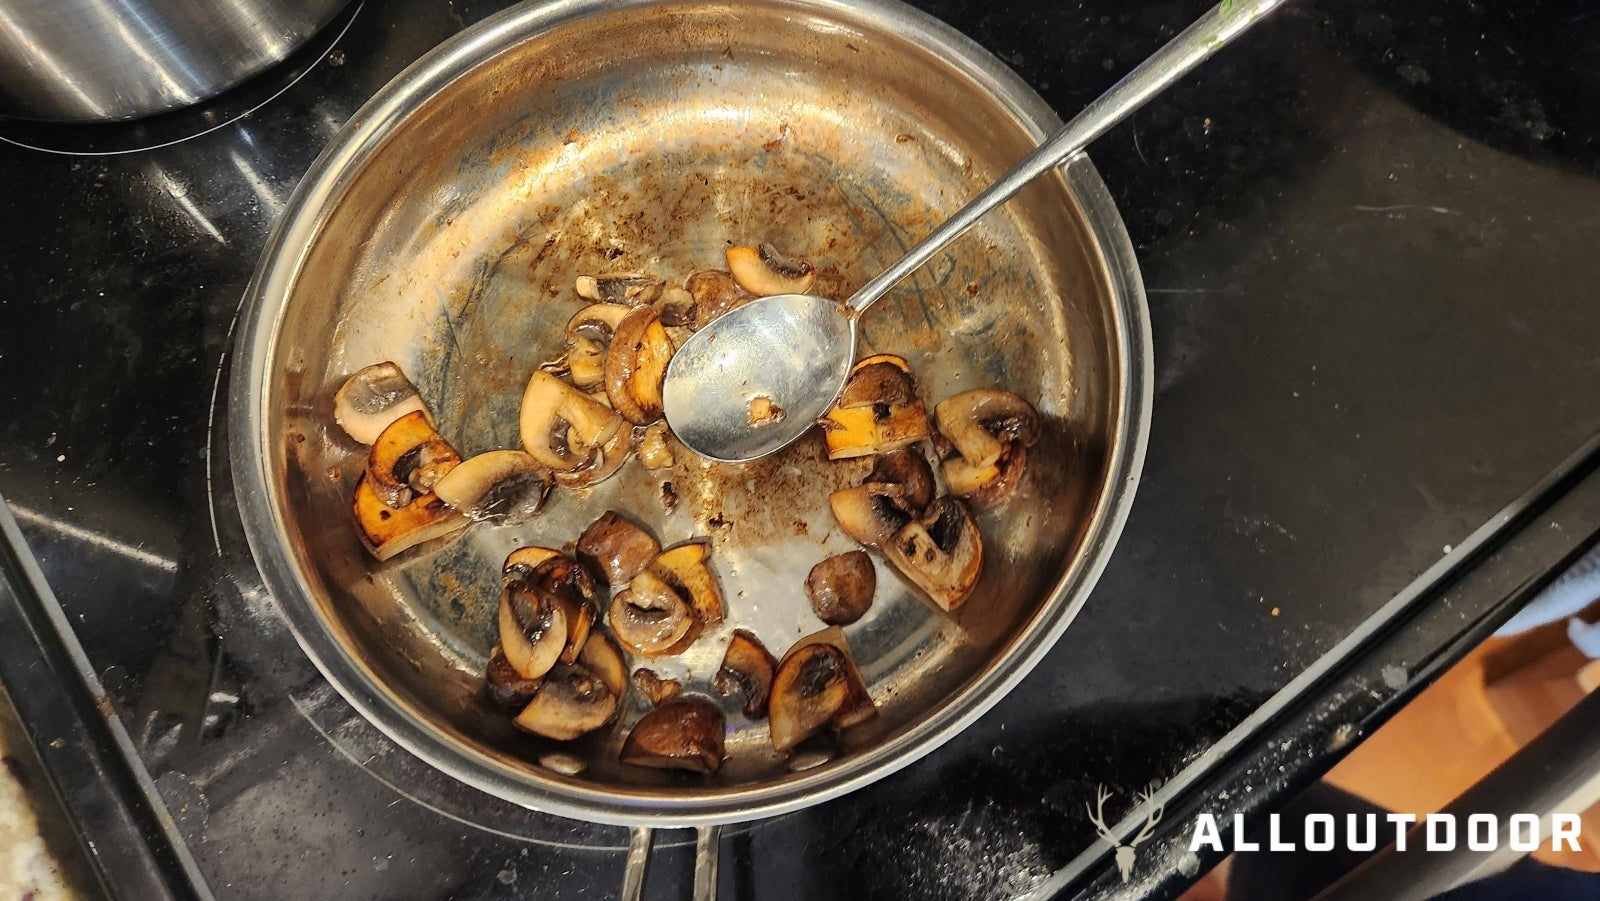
444	230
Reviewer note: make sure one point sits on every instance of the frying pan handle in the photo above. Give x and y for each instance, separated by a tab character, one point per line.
708	840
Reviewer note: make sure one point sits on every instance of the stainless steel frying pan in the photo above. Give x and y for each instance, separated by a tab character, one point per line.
443	228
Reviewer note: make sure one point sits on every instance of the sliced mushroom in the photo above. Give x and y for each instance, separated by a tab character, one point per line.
676	306
656	689
589	334
877	412
763	270
522	561
631	288
387	531
655	450
533	629
714	293
507	687
373	398
649	618
871	513
408	459
636	364
603	659
562	427
909	469
981	422
942	553
603	463
841	587
507	484
571	587
858	706
617	548
570	702
748	667
816	685
684	568
684	733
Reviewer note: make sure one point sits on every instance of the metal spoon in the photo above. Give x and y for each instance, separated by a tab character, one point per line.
795	350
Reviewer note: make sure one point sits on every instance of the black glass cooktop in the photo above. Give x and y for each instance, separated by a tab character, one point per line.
1367	235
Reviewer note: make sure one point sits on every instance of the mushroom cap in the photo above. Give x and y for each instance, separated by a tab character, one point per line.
629	288
386	531
684	568
603	659
408	459
714	293
763	270
570	702
809	688
942	553
372	398
636	365
870	513
684	733
841	587
981	422
561	426
616	547
656	689
877	412
507	484
747	666
533	629
649	618
909	469
588	335
507	687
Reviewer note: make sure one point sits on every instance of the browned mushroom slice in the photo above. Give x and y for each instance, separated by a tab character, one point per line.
570	702
571	587
372	398
629	288
684	733
589	333
522	561
684	568
748	667
877	412
386	531
871	513
562	427
942	553
655	450
502	484
909	469
533	629
810	687
989	431
408	459
603	659
714	293
636	364
763	270
858	706
841	587
650	619
603	462
676	307
616	548
507	687
656	689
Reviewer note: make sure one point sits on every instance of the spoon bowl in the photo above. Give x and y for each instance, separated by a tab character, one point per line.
794	350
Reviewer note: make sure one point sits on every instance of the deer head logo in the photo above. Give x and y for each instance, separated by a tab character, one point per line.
1125	853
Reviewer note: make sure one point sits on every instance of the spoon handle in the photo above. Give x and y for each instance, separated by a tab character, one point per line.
1211	32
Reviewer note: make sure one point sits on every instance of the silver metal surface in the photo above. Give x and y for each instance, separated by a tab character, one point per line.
640	840
443	229
796	351
707	843
87	60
